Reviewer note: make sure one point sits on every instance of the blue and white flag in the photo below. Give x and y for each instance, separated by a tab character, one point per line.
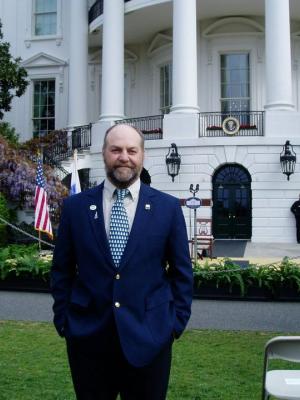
75	183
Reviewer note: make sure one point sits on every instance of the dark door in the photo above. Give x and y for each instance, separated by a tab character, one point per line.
232	203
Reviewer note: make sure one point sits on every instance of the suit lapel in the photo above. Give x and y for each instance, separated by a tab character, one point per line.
141	220
94	203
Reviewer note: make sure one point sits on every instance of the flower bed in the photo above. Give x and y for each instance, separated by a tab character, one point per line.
22	267
225	279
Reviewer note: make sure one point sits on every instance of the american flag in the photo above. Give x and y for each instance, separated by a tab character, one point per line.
42	221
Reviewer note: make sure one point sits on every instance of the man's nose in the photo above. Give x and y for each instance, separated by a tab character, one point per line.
124	156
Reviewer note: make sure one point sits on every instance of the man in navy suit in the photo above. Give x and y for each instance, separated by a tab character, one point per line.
119	318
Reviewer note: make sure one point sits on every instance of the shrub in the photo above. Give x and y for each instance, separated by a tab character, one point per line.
220	274
25	261
225	273
9	133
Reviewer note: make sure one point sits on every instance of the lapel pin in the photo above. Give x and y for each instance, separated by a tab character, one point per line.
93	207
147	207
96	215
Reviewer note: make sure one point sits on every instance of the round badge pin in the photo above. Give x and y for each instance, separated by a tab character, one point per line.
93	207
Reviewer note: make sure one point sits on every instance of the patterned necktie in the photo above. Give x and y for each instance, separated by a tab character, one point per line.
119	227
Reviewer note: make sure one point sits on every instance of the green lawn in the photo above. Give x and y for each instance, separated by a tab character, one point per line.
207	365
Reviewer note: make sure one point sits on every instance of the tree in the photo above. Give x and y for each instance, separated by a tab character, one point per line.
12	76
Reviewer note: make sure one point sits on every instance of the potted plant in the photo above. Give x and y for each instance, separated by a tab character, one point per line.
226	279
218	279
24	268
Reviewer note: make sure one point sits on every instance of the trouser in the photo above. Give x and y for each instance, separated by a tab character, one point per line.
103	374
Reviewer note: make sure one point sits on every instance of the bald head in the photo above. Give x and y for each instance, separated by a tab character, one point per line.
123	128
123	154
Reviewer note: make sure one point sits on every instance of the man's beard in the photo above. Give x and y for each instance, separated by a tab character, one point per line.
119	181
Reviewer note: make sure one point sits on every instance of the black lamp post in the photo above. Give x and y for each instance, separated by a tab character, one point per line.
288	159
173	160
194	190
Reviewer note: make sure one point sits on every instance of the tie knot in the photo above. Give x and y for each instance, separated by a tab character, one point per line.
122	193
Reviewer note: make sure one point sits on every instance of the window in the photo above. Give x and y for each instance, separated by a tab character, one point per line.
165	88
235	82
43	107
45	17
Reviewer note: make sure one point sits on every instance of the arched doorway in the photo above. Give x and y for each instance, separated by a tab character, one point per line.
232	205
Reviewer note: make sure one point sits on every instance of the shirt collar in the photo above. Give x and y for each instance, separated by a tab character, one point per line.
134	189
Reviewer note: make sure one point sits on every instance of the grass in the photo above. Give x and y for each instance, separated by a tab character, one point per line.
207	365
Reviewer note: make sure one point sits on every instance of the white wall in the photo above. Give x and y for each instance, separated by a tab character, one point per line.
16	17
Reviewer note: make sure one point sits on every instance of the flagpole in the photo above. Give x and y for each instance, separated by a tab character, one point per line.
40	243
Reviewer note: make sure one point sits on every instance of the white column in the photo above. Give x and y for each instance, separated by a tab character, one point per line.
112	96
185	91
78	63
278	56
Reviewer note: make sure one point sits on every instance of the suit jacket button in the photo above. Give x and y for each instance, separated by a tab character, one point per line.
118	276
117	304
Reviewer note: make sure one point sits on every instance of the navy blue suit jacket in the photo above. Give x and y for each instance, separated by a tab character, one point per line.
153	284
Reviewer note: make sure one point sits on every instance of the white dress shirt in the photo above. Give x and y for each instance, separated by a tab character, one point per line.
130	202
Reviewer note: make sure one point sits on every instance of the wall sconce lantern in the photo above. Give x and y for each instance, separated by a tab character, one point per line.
288	159
173	160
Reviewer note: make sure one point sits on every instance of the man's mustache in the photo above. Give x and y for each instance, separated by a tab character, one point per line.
123	165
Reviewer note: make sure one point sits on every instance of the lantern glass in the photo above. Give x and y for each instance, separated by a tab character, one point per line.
288	160
173	161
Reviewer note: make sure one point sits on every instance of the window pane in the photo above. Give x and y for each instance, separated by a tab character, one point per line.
36	98
51	99
44	124
245	105
51	111
37	86
44	112
36	125
51	86
42	6
225	76
51	124
245	90
43	98
45	24
235	76
36	112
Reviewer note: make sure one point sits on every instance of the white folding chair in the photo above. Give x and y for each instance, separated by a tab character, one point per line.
282	383
205	238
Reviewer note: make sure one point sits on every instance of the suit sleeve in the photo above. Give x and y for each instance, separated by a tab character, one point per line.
63	271
180	270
